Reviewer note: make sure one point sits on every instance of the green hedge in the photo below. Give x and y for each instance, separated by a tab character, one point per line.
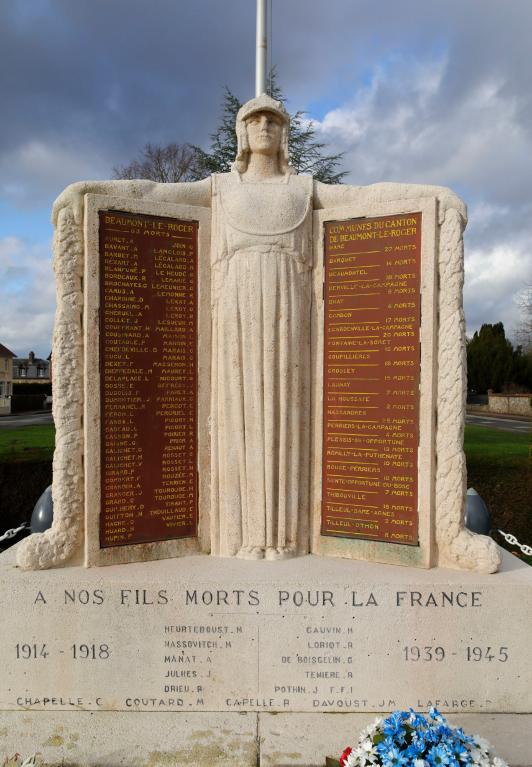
22	403
26	387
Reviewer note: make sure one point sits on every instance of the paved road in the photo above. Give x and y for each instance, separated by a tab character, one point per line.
494	422
515	425
25	419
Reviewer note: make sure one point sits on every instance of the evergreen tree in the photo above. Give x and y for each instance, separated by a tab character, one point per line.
186	162
305	151
223	141
493	363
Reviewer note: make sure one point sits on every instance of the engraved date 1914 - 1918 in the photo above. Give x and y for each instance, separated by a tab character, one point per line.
81	651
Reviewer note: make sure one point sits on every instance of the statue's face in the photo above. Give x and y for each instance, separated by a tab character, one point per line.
264	132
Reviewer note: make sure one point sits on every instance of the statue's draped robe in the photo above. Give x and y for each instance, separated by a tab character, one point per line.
262	257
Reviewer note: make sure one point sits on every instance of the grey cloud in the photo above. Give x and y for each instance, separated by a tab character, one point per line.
27	296
112	76
85	84
122	73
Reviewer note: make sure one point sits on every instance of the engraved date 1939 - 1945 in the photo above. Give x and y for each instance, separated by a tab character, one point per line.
429	653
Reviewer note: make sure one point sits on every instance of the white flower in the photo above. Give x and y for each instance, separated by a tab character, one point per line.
367	746
481	743
371	729
363	756
356	759
352	760
479	755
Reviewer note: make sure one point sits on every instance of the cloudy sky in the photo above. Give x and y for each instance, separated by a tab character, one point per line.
411	90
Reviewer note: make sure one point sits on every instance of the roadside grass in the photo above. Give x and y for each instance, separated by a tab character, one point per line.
499	467
483	443
28	443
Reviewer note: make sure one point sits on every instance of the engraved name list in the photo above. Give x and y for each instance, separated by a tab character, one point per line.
371	378
148	365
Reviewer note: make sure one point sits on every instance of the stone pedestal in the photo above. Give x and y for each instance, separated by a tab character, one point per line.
202	660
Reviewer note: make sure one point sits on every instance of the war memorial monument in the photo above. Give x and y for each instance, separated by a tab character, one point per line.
259	478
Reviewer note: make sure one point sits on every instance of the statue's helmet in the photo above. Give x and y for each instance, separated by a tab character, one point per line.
262	103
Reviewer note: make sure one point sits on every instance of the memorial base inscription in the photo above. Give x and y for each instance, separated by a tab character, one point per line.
308	639
345	638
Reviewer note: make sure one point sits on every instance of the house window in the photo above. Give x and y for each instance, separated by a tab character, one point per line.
22	372
1	388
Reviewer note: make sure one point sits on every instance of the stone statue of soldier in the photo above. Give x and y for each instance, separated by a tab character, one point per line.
261	297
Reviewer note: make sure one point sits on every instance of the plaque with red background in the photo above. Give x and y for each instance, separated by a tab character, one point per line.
371	378
148	375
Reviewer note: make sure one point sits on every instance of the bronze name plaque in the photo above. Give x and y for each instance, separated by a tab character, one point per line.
148	374
371	378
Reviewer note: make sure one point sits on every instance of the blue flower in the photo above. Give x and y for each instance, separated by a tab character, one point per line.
385	745
394	758
460	751
415	720
393	726
409	739
433	734
419	740
461	735
438	756
414	750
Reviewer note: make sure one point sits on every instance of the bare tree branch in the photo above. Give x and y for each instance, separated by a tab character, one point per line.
168	164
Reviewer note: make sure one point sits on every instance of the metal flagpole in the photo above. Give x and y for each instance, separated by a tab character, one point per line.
262	48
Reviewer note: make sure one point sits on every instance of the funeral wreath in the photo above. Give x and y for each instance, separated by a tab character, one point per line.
409	739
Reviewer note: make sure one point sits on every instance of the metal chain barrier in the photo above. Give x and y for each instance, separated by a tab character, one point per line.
511	539
11	533
508	537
